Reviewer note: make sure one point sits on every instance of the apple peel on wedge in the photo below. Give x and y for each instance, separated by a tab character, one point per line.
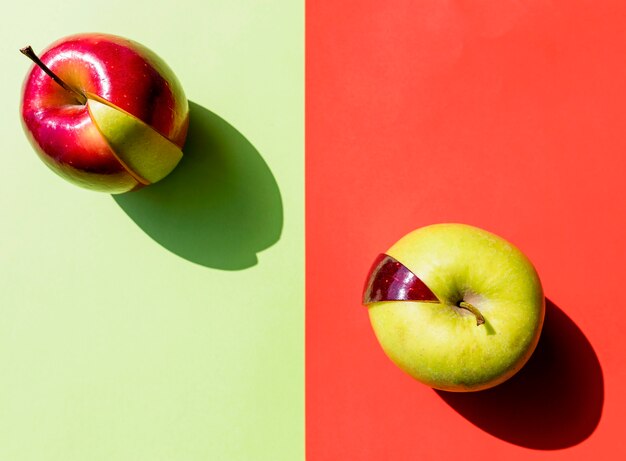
390	280
143	152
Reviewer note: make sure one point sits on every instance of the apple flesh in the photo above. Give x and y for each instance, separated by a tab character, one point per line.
474	274
126	77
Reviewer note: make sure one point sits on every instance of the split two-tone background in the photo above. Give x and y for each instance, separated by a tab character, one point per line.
216	315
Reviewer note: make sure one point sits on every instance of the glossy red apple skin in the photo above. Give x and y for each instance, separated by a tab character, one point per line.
118	70
390	280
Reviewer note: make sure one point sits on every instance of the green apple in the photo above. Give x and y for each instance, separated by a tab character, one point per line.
484	320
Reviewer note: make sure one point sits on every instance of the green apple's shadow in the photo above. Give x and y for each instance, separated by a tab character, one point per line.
219	207
554	402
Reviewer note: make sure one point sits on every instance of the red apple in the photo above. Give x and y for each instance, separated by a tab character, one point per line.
104	112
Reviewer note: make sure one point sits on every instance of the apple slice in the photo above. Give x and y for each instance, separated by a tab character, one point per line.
144	152
390	280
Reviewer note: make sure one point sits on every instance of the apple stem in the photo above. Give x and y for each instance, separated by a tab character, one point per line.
28	51
479	317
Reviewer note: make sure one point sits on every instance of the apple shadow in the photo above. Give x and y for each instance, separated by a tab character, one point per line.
554	402
219	207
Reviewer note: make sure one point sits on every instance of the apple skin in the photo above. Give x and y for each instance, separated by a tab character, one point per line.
120	71
439	344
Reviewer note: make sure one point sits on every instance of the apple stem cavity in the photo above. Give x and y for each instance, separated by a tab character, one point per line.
28	51
479	317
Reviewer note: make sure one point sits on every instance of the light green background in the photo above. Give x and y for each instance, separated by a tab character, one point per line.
113	347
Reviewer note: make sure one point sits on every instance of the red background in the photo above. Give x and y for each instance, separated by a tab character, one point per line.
508	115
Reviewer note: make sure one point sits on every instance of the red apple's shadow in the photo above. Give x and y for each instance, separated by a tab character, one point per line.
220	206
554	402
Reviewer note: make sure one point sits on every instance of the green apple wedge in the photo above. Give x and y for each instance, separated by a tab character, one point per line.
144	152
489	315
